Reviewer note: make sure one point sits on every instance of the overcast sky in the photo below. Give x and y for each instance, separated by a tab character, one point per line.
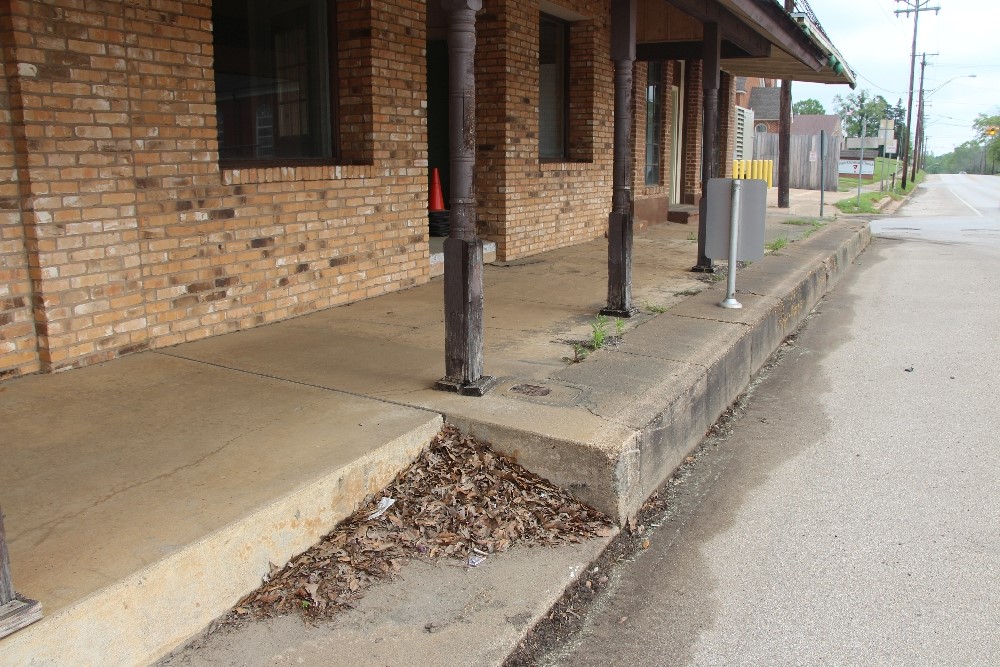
876	43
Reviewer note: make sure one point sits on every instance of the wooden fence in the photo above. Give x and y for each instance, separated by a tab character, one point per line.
804	159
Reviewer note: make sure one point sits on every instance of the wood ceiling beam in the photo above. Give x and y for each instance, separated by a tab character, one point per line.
689	50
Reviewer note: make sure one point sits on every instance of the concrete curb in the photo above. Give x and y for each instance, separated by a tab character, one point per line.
648	427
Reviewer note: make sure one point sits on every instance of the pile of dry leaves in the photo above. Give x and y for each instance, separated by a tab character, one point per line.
459	500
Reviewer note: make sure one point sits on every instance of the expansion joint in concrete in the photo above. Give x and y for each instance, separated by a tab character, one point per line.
268	376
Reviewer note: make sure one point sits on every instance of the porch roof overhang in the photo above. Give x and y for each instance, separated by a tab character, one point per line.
759	38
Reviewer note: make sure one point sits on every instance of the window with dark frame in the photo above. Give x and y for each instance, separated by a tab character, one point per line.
553	84
274	63
654	121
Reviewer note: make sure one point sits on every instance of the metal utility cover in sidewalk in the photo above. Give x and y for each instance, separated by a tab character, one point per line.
719	213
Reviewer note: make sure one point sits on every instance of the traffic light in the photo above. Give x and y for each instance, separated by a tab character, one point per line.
991	131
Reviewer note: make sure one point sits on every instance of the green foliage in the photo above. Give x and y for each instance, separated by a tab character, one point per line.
619	326
858	108
976	156
598	332
776	245
653	308
809	107
813	226
971	157
866	206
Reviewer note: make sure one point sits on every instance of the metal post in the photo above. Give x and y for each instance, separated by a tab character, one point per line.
463	250
822	170
881	173
620	221
861	162
734	244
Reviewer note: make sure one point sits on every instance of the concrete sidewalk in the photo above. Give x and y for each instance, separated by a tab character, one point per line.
144	496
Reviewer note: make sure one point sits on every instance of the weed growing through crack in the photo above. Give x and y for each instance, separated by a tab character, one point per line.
776	245
580	353
687	292
598	332
813	225
691	237
619	326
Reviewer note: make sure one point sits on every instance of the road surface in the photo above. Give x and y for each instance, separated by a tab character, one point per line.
853	516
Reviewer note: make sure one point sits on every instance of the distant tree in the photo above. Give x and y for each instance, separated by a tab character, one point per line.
860	109
970	157
988	135
809	107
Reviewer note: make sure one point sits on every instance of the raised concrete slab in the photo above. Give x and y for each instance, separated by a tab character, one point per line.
233	435
153	493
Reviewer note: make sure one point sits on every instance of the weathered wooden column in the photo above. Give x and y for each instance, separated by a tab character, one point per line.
463	250
710	73
785	133
15	612
620	220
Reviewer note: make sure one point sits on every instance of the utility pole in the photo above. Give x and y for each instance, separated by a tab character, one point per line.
785	132
918	135
914	6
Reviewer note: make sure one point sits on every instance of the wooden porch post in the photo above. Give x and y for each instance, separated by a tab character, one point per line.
15	612
463	250
623	17
785	133
711	54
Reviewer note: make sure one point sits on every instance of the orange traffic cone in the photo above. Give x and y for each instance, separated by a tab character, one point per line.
436	202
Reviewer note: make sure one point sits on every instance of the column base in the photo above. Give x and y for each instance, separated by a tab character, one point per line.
631	311
479	387
17	614
703	268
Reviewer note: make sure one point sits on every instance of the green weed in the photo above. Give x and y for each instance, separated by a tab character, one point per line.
776	245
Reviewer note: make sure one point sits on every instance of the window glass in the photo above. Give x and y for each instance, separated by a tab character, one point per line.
654	121
272	79
553	80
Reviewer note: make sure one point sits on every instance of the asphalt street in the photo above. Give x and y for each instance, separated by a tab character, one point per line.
853	515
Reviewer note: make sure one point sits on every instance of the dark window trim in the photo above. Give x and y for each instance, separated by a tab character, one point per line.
566	27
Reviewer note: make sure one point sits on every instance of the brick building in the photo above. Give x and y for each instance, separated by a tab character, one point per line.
177	169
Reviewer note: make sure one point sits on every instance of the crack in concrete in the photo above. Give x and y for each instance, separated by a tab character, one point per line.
50	526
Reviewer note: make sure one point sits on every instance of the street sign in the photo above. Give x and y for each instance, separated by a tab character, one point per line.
851	167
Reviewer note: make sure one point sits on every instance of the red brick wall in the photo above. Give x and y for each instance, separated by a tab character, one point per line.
527	206
18	344
141	239
693	109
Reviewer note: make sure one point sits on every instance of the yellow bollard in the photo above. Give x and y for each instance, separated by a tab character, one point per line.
736	168
755	169
769	170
